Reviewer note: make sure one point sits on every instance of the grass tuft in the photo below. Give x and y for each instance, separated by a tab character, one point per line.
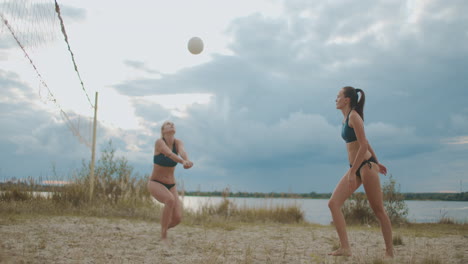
397	240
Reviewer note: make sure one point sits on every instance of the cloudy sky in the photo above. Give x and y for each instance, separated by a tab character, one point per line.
256	109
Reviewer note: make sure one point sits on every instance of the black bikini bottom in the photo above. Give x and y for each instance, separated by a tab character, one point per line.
167	185
368	162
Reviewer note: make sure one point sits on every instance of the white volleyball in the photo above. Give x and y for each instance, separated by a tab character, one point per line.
195	45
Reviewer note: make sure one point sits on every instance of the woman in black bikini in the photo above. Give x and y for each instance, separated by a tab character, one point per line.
364	169
168	151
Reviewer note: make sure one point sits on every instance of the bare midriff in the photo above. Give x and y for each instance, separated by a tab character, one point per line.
353	148
163	174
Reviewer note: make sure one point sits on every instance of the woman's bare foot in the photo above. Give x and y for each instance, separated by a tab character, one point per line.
389	254
341	252
165	241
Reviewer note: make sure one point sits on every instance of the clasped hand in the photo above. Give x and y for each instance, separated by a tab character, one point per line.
187	164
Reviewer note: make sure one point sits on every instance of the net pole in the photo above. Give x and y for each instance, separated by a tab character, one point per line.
93	150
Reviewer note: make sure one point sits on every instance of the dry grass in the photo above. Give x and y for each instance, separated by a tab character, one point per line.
222	216
120	193
436	230
447	221
228	212
397	240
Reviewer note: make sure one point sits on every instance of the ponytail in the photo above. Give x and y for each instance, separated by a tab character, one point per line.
360	104
356	104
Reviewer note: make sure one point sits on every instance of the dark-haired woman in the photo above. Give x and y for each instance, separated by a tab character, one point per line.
364	169
168	151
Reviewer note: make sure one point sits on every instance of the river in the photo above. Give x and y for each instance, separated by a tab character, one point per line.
316	210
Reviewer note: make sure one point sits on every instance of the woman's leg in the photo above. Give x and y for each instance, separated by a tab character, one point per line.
177	212
163	195
339	196
371	182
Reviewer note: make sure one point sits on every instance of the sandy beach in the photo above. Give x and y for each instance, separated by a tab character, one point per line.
68	239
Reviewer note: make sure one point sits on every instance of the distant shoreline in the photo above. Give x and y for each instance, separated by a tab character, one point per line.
425	196
460	197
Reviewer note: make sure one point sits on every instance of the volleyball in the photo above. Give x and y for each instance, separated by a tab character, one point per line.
195	45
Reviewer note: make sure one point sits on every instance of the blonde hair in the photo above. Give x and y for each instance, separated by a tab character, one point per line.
162	127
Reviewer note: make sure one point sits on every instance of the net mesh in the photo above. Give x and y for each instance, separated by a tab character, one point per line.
32	26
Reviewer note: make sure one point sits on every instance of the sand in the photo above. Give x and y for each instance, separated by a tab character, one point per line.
68	239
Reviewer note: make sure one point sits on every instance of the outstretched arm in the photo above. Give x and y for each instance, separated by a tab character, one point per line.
161	147
183	154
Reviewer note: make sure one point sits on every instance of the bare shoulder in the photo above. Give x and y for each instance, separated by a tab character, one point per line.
354	114
159	143
157	146
354	117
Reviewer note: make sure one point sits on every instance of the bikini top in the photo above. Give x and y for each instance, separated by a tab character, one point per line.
164	161
347	132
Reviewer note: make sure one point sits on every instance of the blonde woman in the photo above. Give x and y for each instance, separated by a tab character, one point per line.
168	151
364	169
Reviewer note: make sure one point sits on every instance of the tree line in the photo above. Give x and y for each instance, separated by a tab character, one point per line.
463	196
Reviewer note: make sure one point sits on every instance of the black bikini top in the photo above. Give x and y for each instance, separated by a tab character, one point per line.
163	160
347	132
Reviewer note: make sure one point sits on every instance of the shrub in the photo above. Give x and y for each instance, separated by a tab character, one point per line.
19	191
117	191
357	209
114	182
394	202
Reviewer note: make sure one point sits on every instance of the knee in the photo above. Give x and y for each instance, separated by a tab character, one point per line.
177	219
170	202
333	205
380	213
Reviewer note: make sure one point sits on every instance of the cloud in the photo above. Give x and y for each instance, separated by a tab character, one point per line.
238	141
270	122
273	104
33	133
72	14
399	142
459	122
5	43
457	140
139	65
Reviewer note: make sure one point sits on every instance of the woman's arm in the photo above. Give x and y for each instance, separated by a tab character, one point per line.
161	147
181	149
357	124
372	152
355	121
183	153
382	168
